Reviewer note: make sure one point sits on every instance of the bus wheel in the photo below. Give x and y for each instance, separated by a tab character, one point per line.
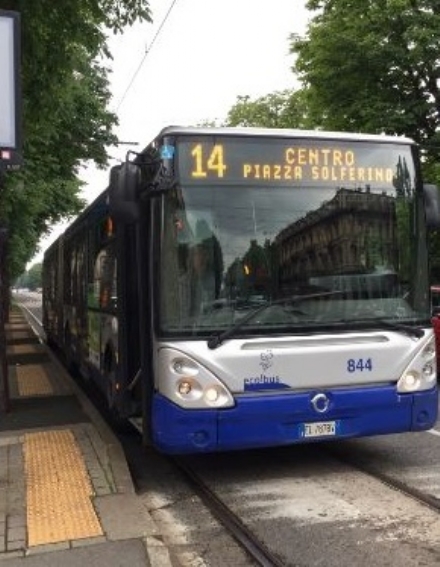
121	424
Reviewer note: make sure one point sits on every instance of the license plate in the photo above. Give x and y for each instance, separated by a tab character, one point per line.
319	429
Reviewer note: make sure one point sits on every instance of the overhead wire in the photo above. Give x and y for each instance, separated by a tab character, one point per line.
147	51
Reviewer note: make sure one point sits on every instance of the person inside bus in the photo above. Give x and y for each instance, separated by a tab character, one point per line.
200	270
203	284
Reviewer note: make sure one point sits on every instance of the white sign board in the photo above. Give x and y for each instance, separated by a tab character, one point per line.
9	83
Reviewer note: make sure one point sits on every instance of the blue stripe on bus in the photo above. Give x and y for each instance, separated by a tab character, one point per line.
277	419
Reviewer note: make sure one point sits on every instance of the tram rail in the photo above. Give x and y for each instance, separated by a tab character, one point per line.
255	549
230	521
393	483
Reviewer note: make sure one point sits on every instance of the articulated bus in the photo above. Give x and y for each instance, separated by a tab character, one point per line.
238	288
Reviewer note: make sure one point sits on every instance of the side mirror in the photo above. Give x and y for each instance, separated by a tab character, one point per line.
123	192
432	206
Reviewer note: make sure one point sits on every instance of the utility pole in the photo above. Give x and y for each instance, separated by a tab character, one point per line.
5	404
10	159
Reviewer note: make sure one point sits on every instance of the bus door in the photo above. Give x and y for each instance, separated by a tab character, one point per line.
128	321
101	311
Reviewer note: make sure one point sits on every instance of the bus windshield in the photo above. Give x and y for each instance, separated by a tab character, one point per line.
350	249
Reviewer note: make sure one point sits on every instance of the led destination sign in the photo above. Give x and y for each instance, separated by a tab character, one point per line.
232	160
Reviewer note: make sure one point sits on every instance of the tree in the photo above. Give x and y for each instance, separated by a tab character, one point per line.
280	109
372	66
65	117
32	278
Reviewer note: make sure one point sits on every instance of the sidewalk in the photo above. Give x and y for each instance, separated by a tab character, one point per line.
66	494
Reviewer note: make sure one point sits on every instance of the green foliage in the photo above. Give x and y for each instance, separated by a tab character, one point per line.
280	109
208	123
372	66
65	117
32	278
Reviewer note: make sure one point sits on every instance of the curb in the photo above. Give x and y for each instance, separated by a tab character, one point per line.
121	473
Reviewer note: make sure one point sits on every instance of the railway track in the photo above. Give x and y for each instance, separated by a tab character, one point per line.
367	468
255	549
236	526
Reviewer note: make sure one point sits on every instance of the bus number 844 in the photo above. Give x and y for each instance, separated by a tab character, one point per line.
359	365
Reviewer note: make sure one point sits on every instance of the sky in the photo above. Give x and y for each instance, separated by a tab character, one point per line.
189	66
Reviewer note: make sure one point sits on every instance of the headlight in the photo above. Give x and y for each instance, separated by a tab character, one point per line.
410	381
421	374
190	384
216	397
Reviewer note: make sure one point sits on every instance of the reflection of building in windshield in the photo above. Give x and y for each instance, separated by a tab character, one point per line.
355	232
250	275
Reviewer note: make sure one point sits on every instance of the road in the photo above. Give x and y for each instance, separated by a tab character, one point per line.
306	503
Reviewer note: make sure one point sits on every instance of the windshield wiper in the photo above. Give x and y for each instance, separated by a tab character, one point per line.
216	340
407	329
394	326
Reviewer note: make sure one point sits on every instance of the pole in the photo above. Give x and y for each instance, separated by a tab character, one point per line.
5	404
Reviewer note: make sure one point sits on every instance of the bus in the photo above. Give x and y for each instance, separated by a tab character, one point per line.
237	288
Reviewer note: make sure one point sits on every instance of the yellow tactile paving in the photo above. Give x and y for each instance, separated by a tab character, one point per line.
21	334
25	349
32	380
17	327
58	489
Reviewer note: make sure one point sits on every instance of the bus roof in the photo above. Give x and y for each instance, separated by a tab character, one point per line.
280	133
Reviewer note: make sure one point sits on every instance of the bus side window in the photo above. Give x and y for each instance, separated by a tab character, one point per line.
94	285
107	290
102	292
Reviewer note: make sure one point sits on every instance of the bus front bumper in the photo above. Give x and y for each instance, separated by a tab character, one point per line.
274	420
